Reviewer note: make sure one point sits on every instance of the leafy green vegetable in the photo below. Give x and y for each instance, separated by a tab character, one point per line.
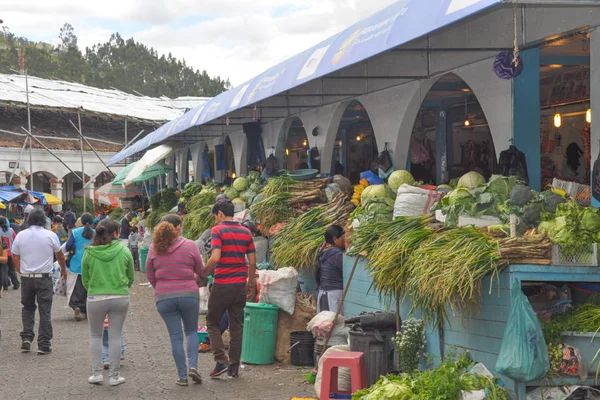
240	184
191	189
399	178
520	195
590	220
471	180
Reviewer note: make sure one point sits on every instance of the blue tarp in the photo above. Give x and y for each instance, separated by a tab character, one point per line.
397	24
9	195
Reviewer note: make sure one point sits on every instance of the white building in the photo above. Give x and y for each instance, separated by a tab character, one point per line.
108	118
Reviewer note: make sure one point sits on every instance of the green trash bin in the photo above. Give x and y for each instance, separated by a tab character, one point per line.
260	333
143	256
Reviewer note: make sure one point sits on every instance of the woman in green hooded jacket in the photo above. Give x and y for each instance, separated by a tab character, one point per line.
107	274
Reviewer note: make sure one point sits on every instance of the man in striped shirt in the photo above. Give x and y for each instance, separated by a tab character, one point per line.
231	244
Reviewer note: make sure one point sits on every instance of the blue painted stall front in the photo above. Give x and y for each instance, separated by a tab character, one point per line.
480	333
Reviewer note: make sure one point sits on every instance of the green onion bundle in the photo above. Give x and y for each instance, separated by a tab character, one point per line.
447	269
200	200
195	223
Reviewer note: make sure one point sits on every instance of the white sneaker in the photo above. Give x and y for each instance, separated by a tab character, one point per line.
96	379
117	381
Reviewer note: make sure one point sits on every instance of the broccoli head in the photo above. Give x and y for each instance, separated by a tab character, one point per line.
552	201
520	195
532	214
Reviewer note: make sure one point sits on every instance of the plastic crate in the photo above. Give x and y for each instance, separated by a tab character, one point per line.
576	190
589	259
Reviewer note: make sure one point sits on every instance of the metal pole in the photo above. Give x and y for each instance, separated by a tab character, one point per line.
82	164
12	174
53	155
29	129
128	144
91	147
125	131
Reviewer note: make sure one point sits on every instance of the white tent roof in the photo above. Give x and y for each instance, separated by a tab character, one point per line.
67	95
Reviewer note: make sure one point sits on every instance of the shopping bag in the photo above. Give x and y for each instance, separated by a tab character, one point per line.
60	287
523	353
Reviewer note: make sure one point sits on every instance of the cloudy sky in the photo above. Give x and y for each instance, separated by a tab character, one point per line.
237	39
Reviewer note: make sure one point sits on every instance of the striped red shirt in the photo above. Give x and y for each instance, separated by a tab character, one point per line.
234	241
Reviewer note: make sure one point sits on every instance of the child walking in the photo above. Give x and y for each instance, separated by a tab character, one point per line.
134	238
105	356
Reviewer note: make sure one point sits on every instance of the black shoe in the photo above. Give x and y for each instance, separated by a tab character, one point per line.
233	372
44	350
26	346
195	375
219	370
16	287
182	382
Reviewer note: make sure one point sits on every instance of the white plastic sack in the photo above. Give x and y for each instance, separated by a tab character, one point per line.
343	182
412	201
322	323
203	293
481	370
279	288
241	214
343	373
551	393
261	245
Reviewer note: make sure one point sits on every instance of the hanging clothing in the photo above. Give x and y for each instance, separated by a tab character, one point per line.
512	162
256	149
220	157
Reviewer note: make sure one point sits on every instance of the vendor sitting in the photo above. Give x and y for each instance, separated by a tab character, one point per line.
330	270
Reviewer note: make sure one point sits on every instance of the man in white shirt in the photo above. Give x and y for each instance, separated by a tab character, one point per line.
33	252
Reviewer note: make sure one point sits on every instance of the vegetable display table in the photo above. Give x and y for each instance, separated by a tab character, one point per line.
481	332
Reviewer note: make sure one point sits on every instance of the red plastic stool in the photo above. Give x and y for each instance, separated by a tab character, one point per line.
346	359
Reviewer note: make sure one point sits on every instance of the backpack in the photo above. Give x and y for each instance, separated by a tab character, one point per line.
272	166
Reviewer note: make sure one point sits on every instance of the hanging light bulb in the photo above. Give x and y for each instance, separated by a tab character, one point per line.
358	138
305	143
287	152
588	116
467	122
233	175
557	120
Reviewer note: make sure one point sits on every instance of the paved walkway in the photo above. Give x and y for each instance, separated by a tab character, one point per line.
148	366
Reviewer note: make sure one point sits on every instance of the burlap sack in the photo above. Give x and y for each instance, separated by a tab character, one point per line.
287	324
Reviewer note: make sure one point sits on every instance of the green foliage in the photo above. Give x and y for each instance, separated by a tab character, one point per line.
117	214
195	223
76	205
205	198
442	383
154	218
125	64
191	189
164	200
410	343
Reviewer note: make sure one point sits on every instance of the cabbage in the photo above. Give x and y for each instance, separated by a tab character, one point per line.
457	194
240	184
248	196
231	193
259	197
375	191
399	178
471	180
255	187
553	227
253	176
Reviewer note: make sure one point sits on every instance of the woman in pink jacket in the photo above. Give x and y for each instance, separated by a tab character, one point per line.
171	267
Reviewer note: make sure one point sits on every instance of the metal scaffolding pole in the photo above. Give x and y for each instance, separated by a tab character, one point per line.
82	163
29	129
12	174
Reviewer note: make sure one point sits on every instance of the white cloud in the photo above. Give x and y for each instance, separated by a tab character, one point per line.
235	39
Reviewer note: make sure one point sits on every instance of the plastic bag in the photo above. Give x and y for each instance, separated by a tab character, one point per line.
60	287
523	354
203	294
478	370
322	323
279	288
344	383
412	201
573	363
331	191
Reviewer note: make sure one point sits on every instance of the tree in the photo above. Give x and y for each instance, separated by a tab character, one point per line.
124	64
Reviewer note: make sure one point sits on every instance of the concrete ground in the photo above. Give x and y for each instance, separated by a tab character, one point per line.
148	367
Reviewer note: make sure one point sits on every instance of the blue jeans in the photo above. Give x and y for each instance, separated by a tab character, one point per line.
105	346
174	312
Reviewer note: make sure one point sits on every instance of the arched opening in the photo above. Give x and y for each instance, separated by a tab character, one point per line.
72	186
296	146
355	146
103	178
5	176
451	135
42	181
229	157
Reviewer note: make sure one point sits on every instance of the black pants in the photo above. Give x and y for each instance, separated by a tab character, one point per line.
136	257
4	279
230	298
40	291
79	296
12	273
